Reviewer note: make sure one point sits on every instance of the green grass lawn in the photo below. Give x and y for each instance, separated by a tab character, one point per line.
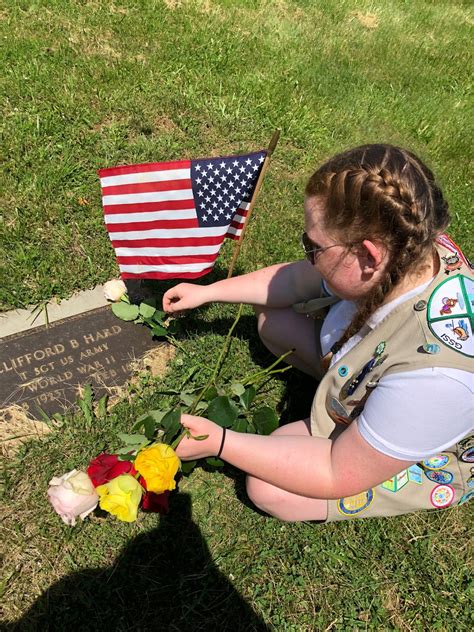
94	84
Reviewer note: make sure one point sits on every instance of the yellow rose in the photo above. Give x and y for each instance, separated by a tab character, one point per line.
158	464
121	497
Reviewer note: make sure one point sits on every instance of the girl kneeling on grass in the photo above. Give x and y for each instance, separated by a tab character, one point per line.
389	425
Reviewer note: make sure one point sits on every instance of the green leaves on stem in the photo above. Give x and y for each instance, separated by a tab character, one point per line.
146	313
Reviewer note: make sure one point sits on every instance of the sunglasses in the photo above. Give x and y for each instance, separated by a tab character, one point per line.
312	250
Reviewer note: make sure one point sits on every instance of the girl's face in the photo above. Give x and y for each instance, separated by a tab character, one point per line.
350	274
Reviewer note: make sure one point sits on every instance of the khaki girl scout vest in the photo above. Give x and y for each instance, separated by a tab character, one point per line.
432	329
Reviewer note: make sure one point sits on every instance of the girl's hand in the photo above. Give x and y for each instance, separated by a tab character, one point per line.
190	449
184	296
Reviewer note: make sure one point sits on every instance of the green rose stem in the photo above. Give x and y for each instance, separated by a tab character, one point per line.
220	362
179	438
269	370
186	433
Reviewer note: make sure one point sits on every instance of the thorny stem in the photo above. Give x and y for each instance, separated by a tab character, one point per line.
220	361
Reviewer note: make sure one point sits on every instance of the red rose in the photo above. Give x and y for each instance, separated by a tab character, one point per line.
158	503
105	467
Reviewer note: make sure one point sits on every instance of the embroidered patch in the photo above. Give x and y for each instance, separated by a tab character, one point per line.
468	455
415	474
466	497
451	263
442	496
442	477
436	462
353	505
450	313
396	483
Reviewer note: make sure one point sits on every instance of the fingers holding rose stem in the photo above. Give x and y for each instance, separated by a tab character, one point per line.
187	433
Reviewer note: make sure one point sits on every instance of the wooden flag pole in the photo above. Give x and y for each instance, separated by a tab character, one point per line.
266	162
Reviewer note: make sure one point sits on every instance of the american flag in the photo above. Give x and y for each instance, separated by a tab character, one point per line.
168	219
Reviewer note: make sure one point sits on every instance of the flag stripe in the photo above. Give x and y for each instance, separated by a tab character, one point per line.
166	275
163	252
187	267
167	243
147	187
125	218
144	168
154	262
169	233
150	207
146	198
157	225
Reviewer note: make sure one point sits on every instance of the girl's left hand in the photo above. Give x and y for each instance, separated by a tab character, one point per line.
190	449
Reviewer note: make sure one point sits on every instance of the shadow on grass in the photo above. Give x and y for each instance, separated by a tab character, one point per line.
164	579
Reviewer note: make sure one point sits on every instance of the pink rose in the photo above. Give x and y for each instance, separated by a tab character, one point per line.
72	495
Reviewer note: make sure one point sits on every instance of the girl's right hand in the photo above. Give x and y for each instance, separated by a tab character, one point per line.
184	296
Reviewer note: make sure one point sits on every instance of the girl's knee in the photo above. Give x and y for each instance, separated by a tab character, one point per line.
265	323
264	496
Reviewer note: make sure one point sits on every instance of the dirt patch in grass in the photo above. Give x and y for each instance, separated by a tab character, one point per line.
156	361
369	20
16	428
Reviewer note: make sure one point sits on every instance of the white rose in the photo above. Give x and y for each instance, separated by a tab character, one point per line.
72	495
114	290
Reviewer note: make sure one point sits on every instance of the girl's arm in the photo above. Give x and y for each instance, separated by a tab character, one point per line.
279	285
309	466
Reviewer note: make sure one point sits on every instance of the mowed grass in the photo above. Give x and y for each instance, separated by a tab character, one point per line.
95	84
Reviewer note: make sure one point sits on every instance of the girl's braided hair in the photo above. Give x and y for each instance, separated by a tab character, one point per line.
386	193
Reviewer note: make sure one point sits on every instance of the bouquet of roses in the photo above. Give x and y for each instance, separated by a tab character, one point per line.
142	476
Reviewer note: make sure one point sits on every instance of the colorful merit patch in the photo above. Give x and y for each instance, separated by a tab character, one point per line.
396	483
442	477
442	496
450	313
436	462
353	505
415	474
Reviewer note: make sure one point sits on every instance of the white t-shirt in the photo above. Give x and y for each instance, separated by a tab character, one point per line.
413	415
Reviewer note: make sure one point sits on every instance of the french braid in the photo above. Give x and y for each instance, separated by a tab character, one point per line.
387	193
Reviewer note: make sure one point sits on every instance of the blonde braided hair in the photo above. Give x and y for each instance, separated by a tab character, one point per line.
381	192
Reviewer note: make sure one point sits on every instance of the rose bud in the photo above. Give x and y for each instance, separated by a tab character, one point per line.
72	495
114	290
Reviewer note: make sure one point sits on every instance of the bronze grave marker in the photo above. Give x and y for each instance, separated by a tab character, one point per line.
45	366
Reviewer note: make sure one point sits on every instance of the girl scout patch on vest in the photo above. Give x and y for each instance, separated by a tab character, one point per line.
442	477
442	496
436	462
353	505
450	313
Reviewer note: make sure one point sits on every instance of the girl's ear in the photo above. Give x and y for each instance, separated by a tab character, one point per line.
372	256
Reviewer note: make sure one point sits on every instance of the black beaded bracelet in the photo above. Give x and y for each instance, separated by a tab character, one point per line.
222	443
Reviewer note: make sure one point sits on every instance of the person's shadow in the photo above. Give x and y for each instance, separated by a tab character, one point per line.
164	579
